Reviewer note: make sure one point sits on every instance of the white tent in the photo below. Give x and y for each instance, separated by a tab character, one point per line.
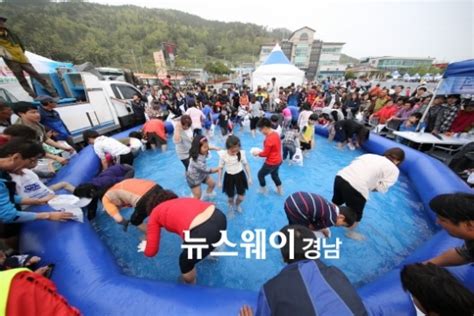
278	66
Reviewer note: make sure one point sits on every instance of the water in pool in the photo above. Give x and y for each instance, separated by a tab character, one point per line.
393	223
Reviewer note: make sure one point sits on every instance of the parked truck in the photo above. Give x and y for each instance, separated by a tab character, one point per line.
86	102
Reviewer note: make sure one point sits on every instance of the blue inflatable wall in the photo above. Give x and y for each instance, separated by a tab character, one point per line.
88	276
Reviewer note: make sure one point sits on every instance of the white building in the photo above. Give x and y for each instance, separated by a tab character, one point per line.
329	65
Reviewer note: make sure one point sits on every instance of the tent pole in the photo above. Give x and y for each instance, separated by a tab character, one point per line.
429	106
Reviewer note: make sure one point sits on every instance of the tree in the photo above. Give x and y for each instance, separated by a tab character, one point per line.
217	68
424	70
350	75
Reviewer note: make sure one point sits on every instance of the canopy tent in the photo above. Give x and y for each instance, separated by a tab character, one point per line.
457	79
277	66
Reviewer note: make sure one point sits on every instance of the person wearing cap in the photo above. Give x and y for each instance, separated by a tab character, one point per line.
305	286
13	53
315	212
51	118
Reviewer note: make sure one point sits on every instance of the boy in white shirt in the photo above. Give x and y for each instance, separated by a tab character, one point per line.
30	190
103	145
197	117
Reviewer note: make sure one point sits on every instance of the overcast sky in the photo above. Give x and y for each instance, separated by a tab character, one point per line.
441	29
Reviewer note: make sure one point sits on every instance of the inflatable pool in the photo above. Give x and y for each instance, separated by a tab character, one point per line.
89	277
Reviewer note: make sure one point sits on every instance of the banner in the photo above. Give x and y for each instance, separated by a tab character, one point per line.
160	64
457	85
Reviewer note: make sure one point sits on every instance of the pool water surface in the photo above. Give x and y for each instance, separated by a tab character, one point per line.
394	223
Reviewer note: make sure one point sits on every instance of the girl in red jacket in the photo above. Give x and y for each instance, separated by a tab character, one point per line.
200	219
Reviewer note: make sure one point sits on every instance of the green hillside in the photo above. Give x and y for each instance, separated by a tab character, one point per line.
126	36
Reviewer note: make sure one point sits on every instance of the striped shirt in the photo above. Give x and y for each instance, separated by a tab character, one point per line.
308	208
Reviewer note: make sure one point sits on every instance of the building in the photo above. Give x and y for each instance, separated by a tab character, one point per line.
305	52
389	63
329	65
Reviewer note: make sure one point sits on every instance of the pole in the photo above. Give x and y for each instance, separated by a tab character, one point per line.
134	60
141	64
429	106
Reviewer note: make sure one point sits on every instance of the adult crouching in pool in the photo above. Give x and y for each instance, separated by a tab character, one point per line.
96	188
367	173
178	215
129	193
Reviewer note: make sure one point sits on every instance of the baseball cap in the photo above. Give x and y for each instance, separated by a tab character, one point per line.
45	99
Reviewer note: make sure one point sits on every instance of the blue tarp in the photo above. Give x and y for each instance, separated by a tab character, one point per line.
463	68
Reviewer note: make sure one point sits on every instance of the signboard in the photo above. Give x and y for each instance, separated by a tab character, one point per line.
160	63
457	85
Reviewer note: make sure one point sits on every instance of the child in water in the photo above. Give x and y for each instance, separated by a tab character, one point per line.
237	176
198	172
307	140
290	141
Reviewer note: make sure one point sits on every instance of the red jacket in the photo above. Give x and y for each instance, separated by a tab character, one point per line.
33	294
176	216
155	126
272	149
463	122
386	112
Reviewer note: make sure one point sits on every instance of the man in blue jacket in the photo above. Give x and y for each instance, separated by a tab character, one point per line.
51	118
306	287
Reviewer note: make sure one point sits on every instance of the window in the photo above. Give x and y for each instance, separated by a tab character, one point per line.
302	50
304	37
124	92
116	91
331	50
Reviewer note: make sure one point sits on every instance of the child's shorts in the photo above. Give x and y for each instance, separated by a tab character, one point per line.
195	183
305	146
235	183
